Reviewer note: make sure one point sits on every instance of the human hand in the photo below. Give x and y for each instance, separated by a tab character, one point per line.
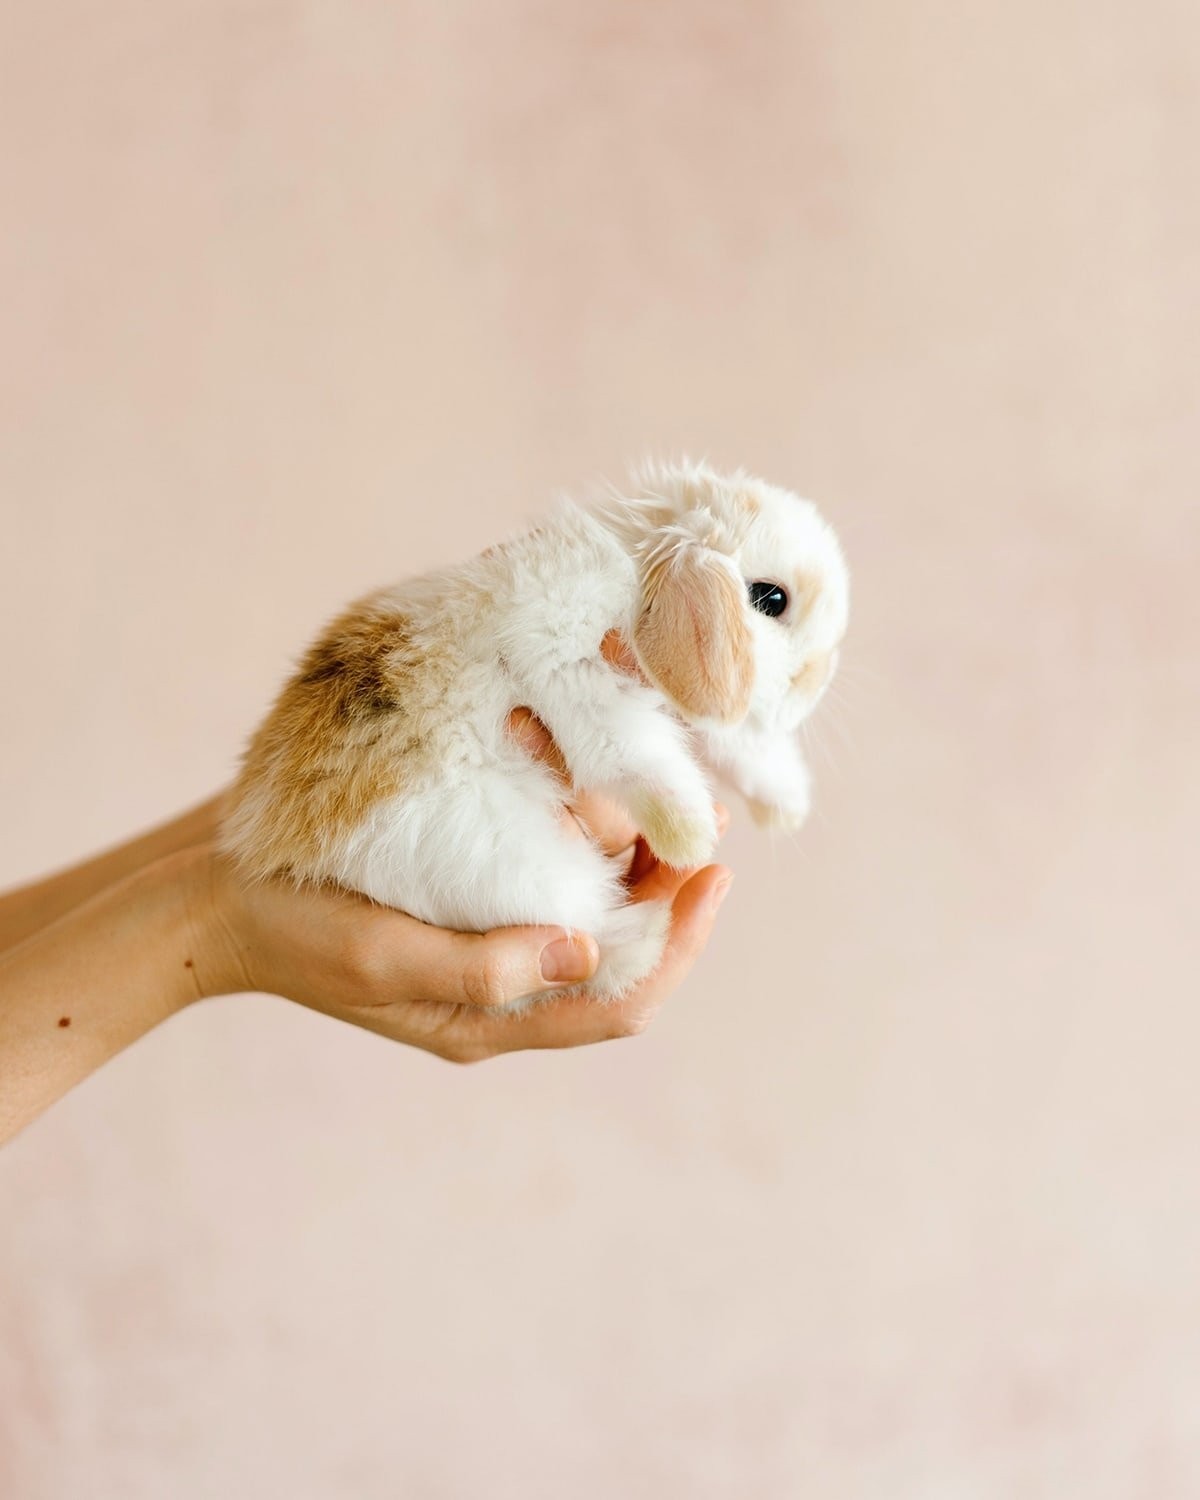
94	957
445	991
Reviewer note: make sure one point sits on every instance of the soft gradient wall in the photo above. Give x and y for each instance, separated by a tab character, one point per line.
899	1197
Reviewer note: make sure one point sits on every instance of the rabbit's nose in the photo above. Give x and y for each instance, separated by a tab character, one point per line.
813	674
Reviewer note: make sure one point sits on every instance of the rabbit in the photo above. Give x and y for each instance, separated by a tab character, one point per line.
385	765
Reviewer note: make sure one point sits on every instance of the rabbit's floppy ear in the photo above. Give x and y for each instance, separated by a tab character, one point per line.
692	636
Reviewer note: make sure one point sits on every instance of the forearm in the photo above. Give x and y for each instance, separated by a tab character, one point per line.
27	910
83	988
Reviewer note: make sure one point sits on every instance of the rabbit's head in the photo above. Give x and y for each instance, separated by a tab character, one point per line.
744	594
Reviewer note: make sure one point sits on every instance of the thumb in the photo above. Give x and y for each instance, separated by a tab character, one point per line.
495	968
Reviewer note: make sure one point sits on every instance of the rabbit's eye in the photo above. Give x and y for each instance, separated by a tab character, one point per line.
768	598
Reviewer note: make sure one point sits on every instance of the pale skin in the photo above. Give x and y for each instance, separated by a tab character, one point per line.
95	957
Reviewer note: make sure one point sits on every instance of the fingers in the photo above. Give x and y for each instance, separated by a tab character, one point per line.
533	736
491	969
575	1020
648	880
693	913
487	972
589	813
618	653
607	822
389	957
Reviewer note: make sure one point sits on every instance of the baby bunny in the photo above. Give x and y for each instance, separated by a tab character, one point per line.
385	765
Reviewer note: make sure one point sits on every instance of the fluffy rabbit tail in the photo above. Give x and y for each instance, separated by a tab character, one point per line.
631	939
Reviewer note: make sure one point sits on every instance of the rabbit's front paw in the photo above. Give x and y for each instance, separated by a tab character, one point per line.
780	817
680	834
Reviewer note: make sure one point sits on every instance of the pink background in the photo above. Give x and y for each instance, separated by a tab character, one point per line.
899	1197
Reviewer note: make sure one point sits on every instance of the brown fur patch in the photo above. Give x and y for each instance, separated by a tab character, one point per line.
355	668
340	738
692	636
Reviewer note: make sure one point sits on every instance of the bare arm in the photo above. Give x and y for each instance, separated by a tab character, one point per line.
163	922
91	982
103	975
29	909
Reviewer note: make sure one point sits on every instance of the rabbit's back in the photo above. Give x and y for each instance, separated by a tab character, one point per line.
394	711
379	705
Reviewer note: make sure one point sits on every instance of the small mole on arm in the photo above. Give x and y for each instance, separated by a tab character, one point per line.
64	1020
187	963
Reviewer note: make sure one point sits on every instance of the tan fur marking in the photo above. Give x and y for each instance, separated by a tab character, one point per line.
805	593
340	738
692	636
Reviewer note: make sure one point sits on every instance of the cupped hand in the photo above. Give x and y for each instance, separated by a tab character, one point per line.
445	991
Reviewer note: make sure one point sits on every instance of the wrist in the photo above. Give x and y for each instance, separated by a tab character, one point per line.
208	957
97	979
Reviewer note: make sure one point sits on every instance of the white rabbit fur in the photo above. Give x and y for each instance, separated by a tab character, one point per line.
385	765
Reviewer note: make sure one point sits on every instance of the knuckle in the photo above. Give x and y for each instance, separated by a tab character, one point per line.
483	983
365	959
462	1054
628	1024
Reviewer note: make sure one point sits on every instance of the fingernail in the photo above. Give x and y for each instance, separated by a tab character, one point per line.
719	893
566	959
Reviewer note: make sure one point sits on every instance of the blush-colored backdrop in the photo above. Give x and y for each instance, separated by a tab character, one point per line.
899	1197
